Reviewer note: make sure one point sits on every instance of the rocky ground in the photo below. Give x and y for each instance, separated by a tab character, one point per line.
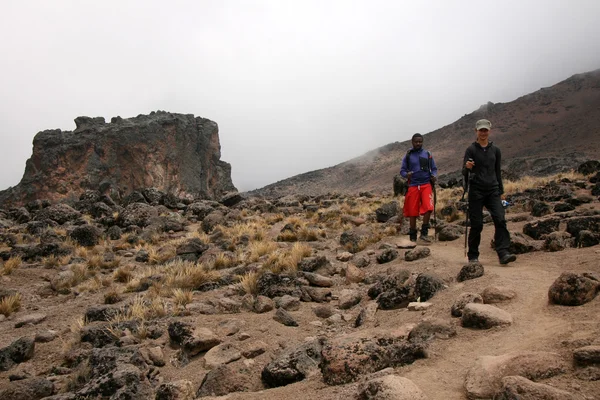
298	297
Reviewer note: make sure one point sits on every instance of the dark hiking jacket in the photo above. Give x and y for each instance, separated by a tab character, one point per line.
486	174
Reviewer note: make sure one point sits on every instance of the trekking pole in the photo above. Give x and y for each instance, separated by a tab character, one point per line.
466	191
435	231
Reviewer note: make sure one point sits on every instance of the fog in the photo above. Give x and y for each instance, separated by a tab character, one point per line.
294	85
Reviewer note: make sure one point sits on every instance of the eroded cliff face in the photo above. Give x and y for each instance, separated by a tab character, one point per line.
175	153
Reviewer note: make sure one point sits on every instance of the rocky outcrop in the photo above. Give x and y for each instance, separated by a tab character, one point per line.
175	153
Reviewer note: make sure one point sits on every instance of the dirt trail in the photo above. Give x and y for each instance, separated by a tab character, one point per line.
537	325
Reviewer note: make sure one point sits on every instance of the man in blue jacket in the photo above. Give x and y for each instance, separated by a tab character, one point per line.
482	168
420	170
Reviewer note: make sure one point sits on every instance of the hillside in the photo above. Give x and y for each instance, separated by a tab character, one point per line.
551	130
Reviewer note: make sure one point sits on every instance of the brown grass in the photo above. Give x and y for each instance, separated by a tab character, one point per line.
529	182
123	274
159	256
10	304
249	283
10	265
182	297
188	275
259	249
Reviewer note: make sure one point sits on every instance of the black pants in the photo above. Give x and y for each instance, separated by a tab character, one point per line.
492	201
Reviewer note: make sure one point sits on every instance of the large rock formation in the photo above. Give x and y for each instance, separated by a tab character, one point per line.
175	153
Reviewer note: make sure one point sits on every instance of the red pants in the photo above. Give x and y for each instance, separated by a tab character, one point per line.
418	200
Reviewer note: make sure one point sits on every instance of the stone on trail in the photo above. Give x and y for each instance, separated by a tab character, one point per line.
390	387
518	387
484	316
484	378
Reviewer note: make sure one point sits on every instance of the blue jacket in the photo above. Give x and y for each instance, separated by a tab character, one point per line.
419	165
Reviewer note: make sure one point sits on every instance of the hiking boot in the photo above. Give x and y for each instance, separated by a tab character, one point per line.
412	235
424	230
473	260
424	239
507	258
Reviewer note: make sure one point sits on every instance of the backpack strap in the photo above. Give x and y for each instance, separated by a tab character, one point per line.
429	159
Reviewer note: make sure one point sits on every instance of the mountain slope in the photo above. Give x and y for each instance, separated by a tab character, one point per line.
547	131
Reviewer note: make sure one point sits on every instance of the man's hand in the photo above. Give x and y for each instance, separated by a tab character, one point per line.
433	179
409	174
469	164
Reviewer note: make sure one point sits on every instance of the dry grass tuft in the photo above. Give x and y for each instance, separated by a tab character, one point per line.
10	265
159	256
123	274
249	283
51	261
95	261
287	261
112	297
182	297
259	249
188	275
529	182
225	260
10	304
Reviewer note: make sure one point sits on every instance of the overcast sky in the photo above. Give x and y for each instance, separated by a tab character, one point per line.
294	85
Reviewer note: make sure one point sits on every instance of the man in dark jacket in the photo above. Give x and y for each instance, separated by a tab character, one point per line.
420	170
482	168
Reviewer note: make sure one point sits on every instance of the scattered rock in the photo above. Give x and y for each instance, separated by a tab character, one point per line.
221	354
31	319
418	306
386	256
284	317
483	316
354	274
497	294
462	300
417	253
571	289
348	298
518	387
27	389
588	355
484	378
346	358
176	390
18	351
294	365
390	387
470	271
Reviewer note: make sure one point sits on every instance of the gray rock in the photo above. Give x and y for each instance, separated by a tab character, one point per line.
483	316
176	390
283	317
31	319
18	351
27	389
293	365
497	294
469	271
417	253
588	355
571	289
462	300
390	387
484	378
348	298
221	354
518	387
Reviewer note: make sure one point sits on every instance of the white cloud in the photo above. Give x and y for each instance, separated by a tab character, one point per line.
294	85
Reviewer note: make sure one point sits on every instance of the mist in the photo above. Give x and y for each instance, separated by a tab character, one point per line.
294	86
